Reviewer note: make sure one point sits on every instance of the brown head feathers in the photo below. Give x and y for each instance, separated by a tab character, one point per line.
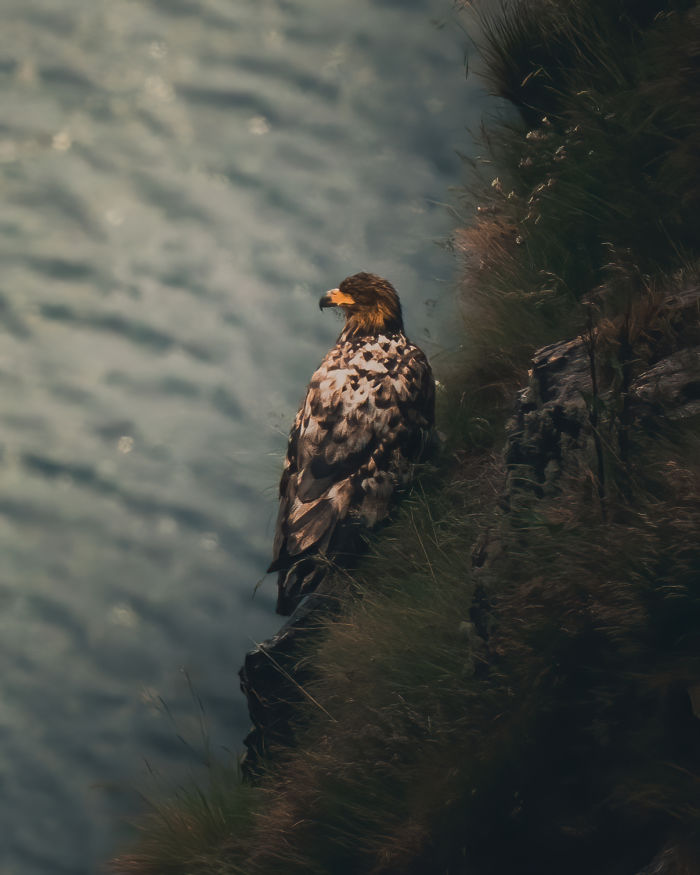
370	303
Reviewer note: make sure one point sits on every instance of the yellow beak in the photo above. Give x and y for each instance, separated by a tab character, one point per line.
336	298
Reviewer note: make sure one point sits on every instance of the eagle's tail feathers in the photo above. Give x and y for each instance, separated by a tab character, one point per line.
296	582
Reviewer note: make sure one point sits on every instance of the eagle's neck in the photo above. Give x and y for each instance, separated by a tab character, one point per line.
370	324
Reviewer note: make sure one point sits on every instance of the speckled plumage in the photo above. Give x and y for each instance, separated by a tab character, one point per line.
365	421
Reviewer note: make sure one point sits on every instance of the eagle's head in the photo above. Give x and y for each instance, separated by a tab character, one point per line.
370	303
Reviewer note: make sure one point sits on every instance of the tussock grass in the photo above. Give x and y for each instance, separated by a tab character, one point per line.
188	829
508	690
603	171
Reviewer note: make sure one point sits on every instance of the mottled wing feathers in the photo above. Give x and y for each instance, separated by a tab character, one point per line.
364	422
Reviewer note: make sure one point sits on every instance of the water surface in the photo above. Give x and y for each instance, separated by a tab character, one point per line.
180	180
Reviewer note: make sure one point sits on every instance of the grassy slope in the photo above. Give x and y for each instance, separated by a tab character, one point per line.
531	715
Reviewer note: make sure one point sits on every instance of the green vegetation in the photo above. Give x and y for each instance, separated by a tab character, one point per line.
191	831
508	687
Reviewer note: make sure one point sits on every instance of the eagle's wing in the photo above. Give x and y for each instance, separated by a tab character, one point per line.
363	423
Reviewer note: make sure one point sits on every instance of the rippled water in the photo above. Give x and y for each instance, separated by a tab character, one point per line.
180	180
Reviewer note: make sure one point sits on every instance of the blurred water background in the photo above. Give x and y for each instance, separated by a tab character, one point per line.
180	181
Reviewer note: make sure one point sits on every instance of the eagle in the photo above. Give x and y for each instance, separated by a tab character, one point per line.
366	420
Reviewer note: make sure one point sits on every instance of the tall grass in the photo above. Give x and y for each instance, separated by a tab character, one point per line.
603	171
189	829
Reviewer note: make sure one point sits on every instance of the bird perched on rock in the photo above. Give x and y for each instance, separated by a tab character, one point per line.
365	421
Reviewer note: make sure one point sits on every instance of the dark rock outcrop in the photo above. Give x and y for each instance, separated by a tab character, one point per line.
272	678
551	424
561	415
